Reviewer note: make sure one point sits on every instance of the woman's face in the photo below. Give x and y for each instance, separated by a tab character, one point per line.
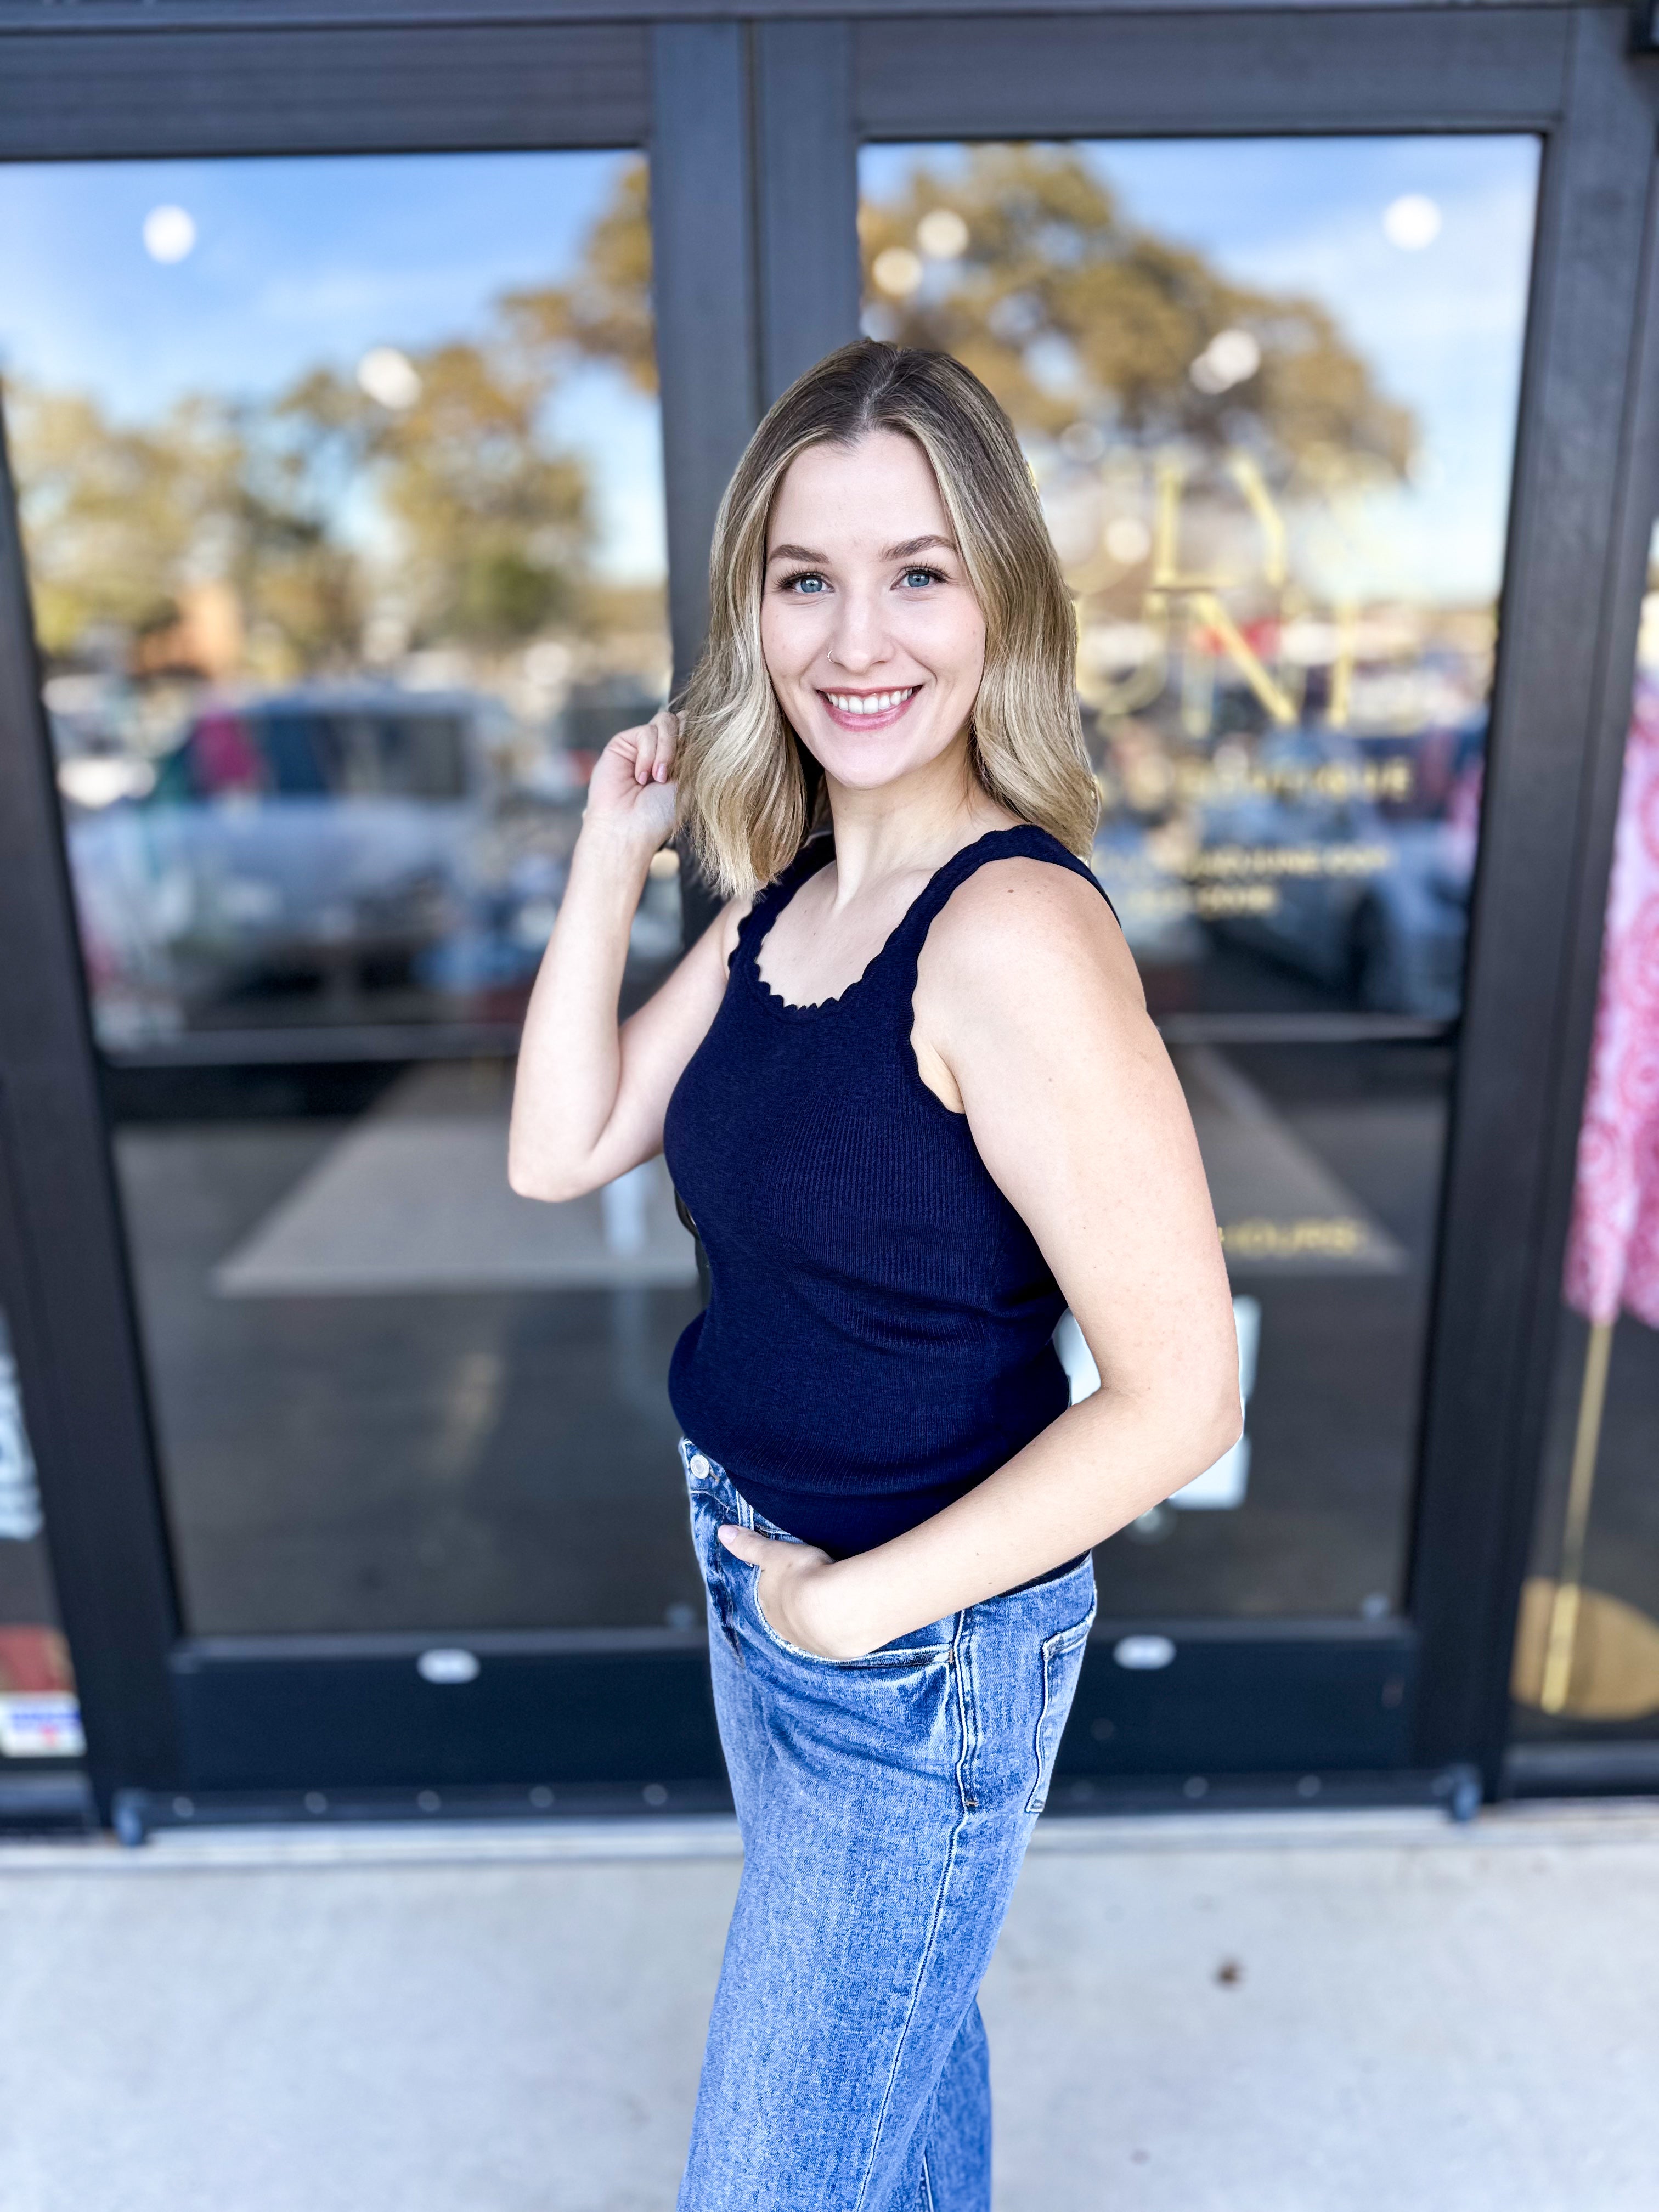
873	640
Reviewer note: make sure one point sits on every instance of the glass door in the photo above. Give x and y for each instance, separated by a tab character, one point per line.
340	482
1268	387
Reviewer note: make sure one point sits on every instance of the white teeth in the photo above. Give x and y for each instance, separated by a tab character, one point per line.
878	703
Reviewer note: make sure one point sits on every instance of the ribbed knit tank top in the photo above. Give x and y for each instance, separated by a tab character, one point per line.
878	1335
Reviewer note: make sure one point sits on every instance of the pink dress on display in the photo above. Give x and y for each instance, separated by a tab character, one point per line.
1613	1253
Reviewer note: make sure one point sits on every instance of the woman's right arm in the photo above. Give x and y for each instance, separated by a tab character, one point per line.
589	1097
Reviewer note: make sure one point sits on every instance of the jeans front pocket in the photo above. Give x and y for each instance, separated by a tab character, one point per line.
750	1578
901	1657
1062	1662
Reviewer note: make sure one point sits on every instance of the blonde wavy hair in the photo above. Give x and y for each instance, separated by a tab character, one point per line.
749	792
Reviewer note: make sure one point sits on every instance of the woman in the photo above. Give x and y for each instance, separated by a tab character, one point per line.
907	1089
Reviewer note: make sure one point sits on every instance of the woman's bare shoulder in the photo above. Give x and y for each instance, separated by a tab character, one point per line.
1022	922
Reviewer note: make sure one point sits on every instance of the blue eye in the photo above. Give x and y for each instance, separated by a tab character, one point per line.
807	584
924	576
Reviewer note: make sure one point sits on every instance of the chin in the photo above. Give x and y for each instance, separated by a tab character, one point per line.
868	778
870	766
869	774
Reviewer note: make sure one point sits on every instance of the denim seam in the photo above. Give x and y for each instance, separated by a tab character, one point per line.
928	1949
1055	1647
926	2136
968	1764
719	1598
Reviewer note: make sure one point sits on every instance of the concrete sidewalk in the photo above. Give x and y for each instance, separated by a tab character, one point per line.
1312	2013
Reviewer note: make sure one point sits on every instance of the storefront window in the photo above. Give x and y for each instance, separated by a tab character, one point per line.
341	486
1267	389
1587	1649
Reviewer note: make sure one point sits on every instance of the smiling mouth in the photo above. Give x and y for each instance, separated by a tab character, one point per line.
869	706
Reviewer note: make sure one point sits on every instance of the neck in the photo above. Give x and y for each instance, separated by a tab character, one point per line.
916	822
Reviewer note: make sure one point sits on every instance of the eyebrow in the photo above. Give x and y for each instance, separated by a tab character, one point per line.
902	552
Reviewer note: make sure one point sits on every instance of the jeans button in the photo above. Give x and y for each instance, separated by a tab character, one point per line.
699	1465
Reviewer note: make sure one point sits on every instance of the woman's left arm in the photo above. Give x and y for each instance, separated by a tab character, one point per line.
1029	997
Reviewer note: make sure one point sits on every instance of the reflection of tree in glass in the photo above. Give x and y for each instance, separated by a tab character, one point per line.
1074	315
604	314
113	515
491	524
454	506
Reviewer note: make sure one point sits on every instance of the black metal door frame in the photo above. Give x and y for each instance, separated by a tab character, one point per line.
753	125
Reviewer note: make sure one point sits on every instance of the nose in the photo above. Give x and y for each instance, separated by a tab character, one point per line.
860	641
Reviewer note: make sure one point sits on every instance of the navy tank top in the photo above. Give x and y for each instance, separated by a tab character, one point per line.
878	1335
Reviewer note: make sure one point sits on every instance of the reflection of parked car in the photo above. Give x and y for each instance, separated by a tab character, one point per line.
347	837
1368	900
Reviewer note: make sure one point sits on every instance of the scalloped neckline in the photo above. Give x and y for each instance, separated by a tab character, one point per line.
775	1000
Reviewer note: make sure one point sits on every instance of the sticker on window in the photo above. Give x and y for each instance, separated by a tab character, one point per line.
42	1724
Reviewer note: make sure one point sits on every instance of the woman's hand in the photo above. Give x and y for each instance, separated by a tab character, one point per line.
796	1591
631	791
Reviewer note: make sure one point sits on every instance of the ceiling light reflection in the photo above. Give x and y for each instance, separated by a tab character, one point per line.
942	235
897	271
389	378
1412	221
169	233
1231	357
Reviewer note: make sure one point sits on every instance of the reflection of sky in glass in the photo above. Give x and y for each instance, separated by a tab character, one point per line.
298	262
1441	327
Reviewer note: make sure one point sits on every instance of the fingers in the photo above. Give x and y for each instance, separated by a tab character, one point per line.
769	1551
654	751
748	1543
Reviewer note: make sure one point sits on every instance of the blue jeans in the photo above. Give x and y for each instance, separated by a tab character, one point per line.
885	1804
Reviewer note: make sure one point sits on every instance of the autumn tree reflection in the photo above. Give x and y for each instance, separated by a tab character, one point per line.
1022	262
424	501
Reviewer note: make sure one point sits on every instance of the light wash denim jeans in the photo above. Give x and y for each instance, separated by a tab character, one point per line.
885	1804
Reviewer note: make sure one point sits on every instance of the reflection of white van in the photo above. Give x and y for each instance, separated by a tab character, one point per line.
325	835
